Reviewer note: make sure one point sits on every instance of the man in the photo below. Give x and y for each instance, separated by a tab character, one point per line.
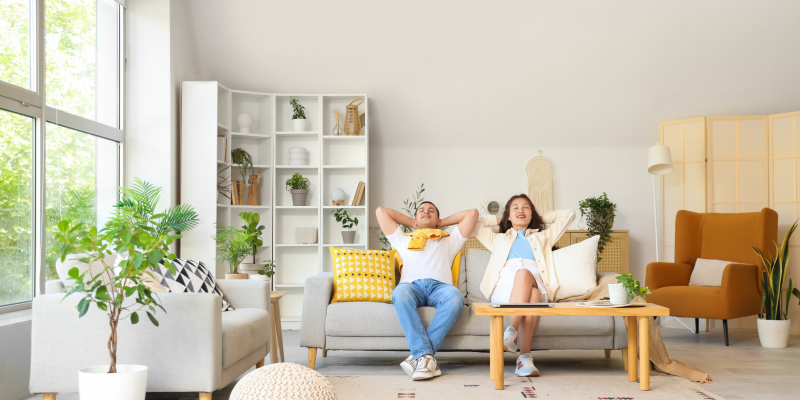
426	280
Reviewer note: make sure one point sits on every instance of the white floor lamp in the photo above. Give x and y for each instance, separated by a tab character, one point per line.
659	162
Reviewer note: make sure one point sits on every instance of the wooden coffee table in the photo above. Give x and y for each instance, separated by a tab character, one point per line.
571	309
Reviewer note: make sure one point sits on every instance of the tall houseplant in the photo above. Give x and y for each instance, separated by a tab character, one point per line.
254	231
136	229
773	322
299	120
233	245
599	213
298	186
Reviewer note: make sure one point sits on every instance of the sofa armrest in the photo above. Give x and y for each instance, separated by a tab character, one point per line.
246	293
740	286
316	297
182	354
662	274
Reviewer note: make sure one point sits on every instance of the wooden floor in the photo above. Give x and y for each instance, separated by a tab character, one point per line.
745	370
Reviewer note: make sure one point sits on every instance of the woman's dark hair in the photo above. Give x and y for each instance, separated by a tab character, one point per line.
536	219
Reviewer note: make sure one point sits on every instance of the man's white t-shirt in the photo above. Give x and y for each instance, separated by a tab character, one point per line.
435	259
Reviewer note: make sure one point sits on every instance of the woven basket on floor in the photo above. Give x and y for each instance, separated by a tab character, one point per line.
284	381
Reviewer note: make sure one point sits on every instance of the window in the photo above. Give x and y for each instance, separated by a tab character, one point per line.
59	142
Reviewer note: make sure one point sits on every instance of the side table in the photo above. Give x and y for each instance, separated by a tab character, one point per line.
277	343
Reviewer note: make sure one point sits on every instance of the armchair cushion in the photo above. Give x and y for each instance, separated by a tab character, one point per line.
708	272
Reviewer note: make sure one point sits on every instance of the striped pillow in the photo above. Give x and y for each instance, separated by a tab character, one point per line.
190	277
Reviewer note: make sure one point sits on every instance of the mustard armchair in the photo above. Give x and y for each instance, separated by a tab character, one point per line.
728	237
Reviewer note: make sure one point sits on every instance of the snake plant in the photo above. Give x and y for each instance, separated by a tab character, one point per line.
772	281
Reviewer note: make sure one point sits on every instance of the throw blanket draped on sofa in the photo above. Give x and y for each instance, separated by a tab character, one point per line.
663	365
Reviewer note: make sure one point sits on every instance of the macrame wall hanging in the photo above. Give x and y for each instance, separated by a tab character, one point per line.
540	183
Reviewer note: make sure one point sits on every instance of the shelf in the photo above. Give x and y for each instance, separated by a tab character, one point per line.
297	207
344	137
249	135
255	166
295	167
290	285
248	206
223	205
345	207
285	133
223	127
345	245
296	245
343	167
222	162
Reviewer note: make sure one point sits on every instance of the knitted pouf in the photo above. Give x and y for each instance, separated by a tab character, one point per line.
283	381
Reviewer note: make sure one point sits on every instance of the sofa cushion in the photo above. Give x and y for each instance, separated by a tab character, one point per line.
462	275
477	262
243	331
552	326
380	319
190	277
576	268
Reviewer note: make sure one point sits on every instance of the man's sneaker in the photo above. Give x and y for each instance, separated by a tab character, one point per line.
510	340
525	366
408	365
426	367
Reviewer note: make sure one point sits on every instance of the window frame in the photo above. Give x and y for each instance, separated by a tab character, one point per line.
32	104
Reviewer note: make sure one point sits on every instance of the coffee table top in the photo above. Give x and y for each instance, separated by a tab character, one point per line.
565	309
274	296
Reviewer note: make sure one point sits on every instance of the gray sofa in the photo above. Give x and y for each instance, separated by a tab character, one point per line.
374	326
196	348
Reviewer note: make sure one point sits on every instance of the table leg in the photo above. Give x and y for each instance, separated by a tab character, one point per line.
279	330
492	345
274	346
632	349
497	328
644	350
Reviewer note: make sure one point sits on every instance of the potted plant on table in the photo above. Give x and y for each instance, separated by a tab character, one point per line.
348	234
233	245
773	323
265	273
299	120
298	187
626	290
134	228
599	213
254	231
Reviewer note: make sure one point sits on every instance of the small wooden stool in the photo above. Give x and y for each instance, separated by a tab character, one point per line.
277	343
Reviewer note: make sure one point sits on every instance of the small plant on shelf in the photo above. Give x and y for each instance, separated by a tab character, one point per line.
253	229
298	111
269	269
245	161
632	287
348	222
298	186
233	245
599	213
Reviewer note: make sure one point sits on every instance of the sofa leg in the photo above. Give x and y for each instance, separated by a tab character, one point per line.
49	396
260	363
725	329
312	357
697	325
625	359
324	352
608	353
205	396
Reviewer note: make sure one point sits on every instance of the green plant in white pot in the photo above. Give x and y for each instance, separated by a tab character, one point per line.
773	319
299	121
626	290
348	222
254	231
136	229
265	273
298	187
233	245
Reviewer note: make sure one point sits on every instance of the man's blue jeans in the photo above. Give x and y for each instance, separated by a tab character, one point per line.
447	300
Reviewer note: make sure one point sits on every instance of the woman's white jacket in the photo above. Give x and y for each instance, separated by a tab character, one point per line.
541	242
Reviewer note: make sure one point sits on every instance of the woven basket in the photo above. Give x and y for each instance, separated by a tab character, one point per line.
352	121
305	235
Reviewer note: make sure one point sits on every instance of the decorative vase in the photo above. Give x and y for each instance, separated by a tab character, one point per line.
251	268
129	383
301	125
348	237
298	156
237	193
259	277
236	276
617	293
299	197
244	120
773	334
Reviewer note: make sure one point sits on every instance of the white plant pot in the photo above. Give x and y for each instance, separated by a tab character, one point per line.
773	334
301	125
251	269
617	293
129	383
258	277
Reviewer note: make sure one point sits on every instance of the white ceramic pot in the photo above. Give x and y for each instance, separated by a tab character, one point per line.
348	237
301	125
617	293
244	120
258	277
773	334
129	383
250	268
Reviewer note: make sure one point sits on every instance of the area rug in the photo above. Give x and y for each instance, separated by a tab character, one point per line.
464	387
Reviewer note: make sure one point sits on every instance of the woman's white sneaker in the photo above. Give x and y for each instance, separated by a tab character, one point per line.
525	366
510	340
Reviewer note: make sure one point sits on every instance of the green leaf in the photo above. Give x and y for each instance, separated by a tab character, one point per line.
74	273
155	256
134	318
102	306
129	291
63	225
102	294
83	306
152	318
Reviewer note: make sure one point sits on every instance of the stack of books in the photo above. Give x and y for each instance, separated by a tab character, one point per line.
358	194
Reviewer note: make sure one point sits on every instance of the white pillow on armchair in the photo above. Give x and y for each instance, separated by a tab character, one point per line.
576	268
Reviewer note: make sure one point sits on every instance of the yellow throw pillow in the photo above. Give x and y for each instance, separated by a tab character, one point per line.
453	270
363	275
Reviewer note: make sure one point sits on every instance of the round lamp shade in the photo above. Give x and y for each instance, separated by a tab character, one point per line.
338	195
244	120
659	160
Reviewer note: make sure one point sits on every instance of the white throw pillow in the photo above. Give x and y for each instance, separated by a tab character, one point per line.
708	272
73	260
576	268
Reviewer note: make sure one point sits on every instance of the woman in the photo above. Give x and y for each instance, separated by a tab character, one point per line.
521	266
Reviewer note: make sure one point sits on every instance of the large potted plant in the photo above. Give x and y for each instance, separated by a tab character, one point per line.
348	234
773	319
254	231
233	245
299	120
298	187
599	213
134	228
